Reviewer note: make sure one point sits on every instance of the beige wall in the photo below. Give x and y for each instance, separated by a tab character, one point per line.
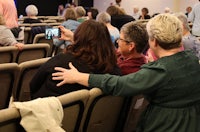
153	5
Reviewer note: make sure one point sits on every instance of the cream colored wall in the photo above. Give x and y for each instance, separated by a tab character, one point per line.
153	5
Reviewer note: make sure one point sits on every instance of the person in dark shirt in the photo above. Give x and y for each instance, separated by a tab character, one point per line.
91	51
32	12
171	83
145	15
118	16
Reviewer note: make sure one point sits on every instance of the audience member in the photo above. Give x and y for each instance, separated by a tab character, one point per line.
167	10
145	15
132	42
60	10
194	17
106	19
190	42
136	13
9	12
171	84
80	12
6	36
92	13
118	16
32	12
92	51
188	10
70	23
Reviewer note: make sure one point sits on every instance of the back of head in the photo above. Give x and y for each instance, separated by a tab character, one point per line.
94	12
31	10
80	11
166	29
183	18
103	17
136	32
93	45
114	10
70	14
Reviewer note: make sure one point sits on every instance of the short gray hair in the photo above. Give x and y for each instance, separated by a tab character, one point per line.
31	10
103	17
183	18
166	29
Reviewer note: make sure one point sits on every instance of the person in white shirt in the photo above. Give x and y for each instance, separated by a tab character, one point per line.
194	17
136	13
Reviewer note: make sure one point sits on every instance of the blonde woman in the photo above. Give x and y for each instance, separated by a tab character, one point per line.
171	84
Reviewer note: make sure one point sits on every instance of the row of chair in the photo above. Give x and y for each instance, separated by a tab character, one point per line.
11	54
44	18
15	79
84	111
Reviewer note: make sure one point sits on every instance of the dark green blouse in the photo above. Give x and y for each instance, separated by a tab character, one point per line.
172	86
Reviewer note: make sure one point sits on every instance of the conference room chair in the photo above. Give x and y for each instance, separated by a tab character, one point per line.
32	52
40	38
27	71
101	113
8	54
73	106
10	120
8	75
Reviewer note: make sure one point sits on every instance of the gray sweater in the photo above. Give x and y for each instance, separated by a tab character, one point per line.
6	36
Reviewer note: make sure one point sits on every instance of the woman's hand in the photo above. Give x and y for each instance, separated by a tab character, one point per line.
66	34
19	46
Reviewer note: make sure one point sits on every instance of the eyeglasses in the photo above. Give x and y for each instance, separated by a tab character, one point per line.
123	40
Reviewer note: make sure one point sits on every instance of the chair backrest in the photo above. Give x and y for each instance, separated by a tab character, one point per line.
8	54
101	112
40	38
73	105
10	120
27	35
27	71
136	106
8	72
32	52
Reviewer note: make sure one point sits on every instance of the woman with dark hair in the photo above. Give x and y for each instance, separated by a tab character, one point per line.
92	51
145	15
118	16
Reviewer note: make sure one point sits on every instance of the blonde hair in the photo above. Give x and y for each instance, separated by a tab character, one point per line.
70	14
80	11
166	29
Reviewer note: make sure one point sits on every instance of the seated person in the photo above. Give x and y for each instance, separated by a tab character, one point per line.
6	36
80	12
118	16
145	15
190	42
92	51
32	12
171	84
131	44
106	19
70	23
92	13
